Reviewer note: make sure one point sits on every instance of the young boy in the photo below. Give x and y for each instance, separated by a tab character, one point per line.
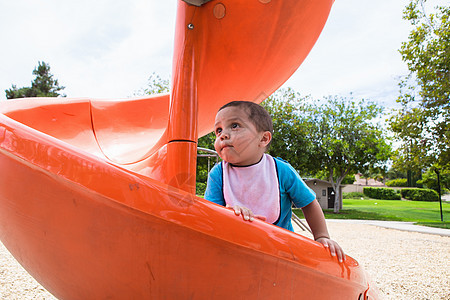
255	184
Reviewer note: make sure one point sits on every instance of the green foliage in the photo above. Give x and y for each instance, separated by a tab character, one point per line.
394	173
333	137
429	179
42	86
420	194
200	188
381	193
207	142
400	182
348	179
423	121
377	173
14	92
155	85
324	175
290	137
345	139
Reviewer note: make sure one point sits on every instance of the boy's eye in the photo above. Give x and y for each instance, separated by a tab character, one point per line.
234	125
218	131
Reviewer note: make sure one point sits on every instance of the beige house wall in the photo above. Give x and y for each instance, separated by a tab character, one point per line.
351	188
320	187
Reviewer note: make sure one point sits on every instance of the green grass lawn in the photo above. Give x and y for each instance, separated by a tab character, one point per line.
420	212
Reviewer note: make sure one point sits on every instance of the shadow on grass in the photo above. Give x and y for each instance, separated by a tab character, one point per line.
351	214
354	214
358	215
436	224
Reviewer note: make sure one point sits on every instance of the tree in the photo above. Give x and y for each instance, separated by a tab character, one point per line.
344	139
422	123
335	136
155	85
43	85
290	140
204	163
430	181
395	173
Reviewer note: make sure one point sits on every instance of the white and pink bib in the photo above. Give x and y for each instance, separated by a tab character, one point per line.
255	187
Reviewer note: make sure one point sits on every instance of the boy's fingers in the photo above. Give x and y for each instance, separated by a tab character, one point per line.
340	254
335	249
237	210
234	208
247	214
332	249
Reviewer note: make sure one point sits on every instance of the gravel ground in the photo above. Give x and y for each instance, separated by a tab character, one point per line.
404	265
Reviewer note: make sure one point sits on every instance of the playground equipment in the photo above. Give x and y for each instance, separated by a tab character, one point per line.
97	198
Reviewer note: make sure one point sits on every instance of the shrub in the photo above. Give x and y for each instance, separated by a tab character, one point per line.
420	194
353	195
381	193
405	193
397	182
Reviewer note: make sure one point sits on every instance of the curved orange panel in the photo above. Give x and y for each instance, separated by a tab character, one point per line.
64	119
129	131
94	230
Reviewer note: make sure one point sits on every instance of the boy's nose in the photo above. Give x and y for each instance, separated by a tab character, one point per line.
224	135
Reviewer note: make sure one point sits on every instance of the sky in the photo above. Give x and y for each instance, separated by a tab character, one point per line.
106	49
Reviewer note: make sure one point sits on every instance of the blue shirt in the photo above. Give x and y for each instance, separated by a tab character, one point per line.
291	187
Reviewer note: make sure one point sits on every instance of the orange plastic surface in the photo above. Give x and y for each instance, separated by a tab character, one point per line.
97	197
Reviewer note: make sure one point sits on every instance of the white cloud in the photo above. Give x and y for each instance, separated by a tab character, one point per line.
106	49
357	52
96	49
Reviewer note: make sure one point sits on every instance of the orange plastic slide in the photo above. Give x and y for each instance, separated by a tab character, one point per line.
97	197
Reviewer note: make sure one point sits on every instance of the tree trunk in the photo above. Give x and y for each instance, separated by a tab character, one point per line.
337	189
337	195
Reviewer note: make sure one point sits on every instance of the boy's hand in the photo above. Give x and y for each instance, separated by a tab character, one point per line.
246	213
334	247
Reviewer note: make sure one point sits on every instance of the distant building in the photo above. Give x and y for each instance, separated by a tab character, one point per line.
361	183
367	181
325	194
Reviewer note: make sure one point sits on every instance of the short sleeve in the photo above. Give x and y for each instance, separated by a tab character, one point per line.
214	186
293	185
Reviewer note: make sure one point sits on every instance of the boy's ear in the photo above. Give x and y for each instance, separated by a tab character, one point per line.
265	139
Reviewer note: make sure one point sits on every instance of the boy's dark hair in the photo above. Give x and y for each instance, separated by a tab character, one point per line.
256	114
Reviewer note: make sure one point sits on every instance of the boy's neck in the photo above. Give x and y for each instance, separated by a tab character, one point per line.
249	165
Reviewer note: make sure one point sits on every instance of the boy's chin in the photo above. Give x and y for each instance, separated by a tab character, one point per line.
231	160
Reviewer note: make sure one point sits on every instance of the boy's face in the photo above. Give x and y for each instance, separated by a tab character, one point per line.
237	140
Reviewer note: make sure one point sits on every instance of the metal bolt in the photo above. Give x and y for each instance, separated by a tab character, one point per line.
190	26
